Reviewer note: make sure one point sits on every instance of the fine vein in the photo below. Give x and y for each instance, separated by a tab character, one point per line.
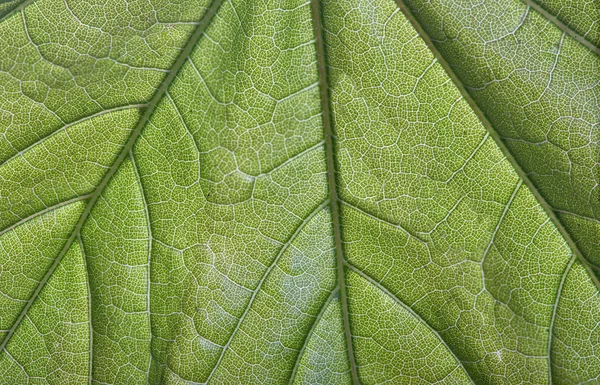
147	214
66	126
44	211
562	26
324	307
551	328
412	312
89	293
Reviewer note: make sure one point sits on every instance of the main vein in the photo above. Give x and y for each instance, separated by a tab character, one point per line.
146	114
331	179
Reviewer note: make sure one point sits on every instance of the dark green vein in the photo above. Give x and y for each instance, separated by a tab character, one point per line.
89	291
44	211
495	232
148	111
147	214
385	222
66	126
15	10
331	179
551	328
505	151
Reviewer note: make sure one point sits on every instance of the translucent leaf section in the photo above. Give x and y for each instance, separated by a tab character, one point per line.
431	211
238	124
293	191
266	343
61	61
582	17
65	166
393	345
243	87
52	344
576	340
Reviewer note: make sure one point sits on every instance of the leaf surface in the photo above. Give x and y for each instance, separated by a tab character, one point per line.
335	191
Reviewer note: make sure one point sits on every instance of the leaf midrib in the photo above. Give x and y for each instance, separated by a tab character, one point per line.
148	111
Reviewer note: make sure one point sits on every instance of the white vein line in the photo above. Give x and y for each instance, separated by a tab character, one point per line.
296	93
180	116
17	362
262	280
412	312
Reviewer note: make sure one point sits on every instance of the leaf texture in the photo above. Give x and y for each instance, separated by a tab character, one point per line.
323	192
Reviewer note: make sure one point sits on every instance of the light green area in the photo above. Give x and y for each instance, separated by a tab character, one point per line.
27	253
67	165
575	357
393	345
116	245
191	237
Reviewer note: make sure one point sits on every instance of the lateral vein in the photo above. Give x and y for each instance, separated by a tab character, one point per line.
260	283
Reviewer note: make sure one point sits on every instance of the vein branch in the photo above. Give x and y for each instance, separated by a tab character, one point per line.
260	283
553	319
324	307
412	312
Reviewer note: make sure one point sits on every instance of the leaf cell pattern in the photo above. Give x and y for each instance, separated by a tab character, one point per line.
334	191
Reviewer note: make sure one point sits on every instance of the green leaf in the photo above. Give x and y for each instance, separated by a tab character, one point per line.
283	191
